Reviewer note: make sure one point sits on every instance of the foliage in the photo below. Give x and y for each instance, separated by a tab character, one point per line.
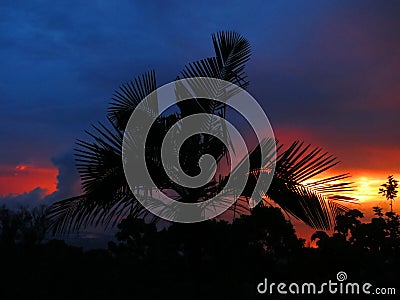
235	257
381	236
389	190
23	226
265	231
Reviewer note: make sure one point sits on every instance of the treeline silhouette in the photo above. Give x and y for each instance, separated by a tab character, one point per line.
234	257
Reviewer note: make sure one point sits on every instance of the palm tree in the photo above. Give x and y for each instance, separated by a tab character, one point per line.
107	197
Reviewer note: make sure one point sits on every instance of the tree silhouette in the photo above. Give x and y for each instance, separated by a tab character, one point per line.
379	237
389	190
107	197
23	226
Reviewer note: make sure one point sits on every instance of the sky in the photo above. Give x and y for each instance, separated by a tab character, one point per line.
326	73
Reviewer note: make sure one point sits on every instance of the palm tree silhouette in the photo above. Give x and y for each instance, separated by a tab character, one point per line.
107	197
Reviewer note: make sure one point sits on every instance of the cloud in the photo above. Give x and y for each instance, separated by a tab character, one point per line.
68	178
68	185
28	199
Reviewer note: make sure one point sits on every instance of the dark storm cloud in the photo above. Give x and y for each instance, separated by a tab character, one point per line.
68	183
62	61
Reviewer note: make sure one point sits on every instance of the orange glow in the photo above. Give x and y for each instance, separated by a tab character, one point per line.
20	167
24	178
368	187
366	184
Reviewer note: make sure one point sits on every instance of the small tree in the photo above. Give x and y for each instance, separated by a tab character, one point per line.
389	190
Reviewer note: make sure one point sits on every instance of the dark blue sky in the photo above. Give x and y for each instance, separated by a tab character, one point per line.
326	72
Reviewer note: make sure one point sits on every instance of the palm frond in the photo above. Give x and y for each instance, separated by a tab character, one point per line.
302	203
129	95
316	203
106	193
76	213
232	51
99	162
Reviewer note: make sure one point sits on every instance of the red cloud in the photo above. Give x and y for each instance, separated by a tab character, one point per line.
24	178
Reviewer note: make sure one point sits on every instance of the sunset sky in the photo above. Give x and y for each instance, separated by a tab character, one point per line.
326	72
